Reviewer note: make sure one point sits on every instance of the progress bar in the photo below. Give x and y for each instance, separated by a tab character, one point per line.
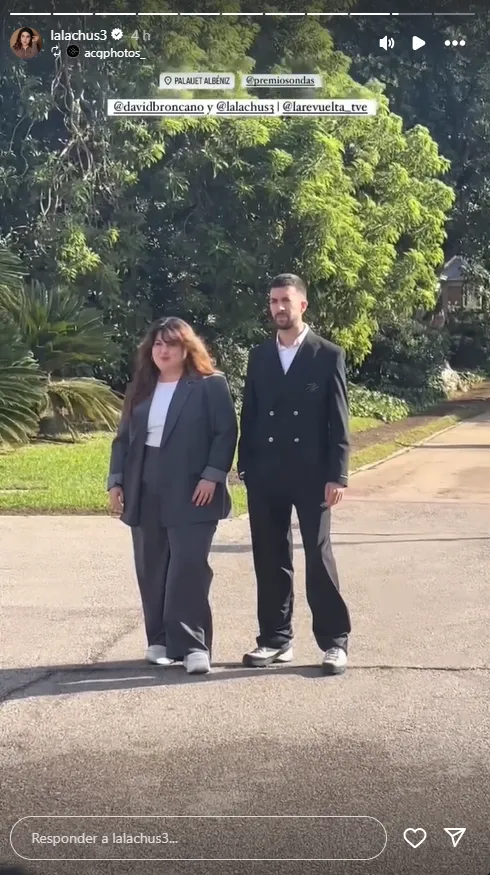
243	14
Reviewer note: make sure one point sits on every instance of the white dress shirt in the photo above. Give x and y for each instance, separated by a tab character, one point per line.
157	416
287	353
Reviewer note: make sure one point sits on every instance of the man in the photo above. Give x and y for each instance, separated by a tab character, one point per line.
293	452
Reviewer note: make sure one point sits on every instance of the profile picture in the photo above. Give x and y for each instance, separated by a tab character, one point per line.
26	43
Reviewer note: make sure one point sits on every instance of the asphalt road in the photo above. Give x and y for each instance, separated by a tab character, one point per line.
401	741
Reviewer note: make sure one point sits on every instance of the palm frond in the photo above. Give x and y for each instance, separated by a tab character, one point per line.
12	271
21	392
63	334
11	281
82	401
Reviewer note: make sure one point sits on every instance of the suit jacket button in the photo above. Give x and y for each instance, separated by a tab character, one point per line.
271	413
295	412
296	440
271	440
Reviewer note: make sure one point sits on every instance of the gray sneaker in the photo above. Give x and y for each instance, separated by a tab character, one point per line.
264	656
197	662
334	661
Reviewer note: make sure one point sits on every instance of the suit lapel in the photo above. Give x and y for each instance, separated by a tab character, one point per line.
274	372
140	415
182	391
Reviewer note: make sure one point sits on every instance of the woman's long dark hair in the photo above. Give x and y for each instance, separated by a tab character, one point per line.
18	44
145	375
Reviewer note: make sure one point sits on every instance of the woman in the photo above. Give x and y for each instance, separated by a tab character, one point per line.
27	44
168	482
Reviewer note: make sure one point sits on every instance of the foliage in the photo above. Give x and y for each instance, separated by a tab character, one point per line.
21	386
409	360
439	387
68	405
46	337
446	91
64	336
392	402
405	355
380	405
144	217
469	332
469	379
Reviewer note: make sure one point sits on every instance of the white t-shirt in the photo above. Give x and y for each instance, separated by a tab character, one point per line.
158	412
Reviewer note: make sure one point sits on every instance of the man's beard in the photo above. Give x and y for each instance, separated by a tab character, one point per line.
283	322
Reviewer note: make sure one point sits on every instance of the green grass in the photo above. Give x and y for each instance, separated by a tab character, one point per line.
378	452
49	478
363	423
55	478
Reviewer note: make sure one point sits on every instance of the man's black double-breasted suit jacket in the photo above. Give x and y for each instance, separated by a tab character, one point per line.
298	419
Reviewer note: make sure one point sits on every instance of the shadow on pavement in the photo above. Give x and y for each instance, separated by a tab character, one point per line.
407	539
433	446
371	538
63	680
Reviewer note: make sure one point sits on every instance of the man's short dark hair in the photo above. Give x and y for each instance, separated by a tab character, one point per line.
289	279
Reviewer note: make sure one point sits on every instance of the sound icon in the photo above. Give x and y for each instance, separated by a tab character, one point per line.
386	43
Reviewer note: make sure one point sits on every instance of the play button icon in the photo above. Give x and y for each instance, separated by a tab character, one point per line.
417	43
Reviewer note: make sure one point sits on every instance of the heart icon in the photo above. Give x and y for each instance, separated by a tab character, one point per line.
415	837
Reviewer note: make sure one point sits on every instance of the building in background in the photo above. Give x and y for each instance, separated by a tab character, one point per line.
456	291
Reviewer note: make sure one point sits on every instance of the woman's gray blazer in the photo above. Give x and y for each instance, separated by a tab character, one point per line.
198	442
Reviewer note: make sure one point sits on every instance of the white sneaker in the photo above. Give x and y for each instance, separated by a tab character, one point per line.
263	656
334	661
157	654
197	662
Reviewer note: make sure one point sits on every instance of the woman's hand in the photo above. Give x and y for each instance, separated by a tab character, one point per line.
116	500
204	492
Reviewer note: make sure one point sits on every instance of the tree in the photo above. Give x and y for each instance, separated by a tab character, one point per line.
21	386
193	216
49	342
447	90
65	340
354	205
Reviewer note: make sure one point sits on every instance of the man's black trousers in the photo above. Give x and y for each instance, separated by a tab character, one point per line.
271	499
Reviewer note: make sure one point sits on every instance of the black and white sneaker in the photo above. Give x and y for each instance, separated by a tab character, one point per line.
334	661
263	656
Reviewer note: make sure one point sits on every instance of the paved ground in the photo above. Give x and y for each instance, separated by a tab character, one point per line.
403	738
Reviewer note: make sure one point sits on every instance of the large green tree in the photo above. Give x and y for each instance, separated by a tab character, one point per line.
194	216
447	90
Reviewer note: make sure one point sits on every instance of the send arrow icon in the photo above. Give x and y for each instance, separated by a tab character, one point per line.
456	833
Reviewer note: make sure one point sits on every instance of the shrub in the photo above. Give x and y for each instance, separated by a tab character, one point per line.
469	334
380	405
404	357
439	387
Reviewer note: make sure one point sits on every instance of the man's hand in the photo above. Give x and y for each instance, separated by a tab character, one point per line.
204	493
116	500
334	493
